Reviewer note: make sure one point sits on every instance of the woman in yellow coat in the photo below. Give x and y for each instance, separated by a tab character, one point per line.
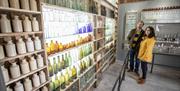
145	51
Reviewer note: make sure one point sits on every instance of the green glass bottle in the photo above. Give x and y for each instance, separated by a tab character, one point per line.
54	65
63	62
52	86
74	73
50	69
62	81
56	82
59	64
70	59
70	75
66	60
66	78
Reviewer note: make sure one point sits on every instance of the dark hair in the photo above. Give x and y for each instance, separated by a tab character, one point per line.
141	22
152	32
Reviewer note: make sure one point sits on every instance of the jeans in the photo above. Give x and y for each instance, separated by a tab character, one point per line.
144	69
133	56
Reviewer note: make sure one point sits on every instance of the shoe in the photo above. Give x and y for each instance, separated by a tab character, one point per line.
129	70
141	81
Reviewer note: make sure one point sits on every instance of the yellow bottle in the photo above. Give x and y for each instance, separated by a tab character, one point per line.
52	47
60	47
74	73
48	49
62	81
67	78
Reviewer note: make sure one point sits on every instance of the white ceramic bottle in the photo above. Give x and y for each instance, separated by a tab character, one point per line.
4	3
10	49
24	4
40	61
8	89
27	84
1	52
14	70
27	25
17	24
5	24
21	47
29	45
33	64
44	88
37	43
35	24
18	87
33	5
36	80
24	66
14	4
42	77
5	73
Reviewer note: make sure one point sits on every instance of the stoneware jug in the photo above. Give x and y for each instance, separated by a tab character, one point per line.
14	70
17	24
10	49
18	87
24	4
5	25
40	61
4	3
5	73
42	77
33	5
37	43
21	47
29	45
14	4
1	52
8	89
27	84
44	88
36	80
27	25
33	64
25	66
35	24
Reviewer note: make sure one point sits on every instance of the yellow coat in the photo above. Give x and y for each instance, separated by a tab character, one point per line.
146	49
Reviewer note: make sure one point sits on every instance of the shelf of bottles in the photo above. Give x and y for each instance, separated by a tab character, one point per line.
168	43
161	15
69	45
82	5
22	54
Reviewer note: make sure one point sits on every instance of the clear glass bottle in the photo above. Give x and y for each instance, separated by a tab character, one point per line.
17	24
5	73
5	24
27	84
15	70
24	66
14	4
10	49
21	47
27	24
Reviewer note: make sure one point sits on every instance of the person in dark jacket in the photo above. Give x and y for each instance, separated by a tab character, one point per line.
134	38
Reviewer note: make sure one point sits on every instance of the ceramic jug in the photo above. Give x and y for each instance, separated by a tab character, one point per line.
42	77
5	74
10	49
29	45
44	88
40	61
36	80
14	4
24	4
21	47
27	25
4	3
5	24
27	84
33	5
33	64
35	24
18	87
14	70
17	24
37	43
1	52
8	89
25	66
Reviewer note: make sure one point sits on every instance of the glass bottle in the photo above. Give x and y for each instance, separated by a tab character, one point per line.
5	24
25	4
33	64
33	5
56	46
1	52
18	87
24	66
37	43
4	3
17	24
14	4
74	72
5	73
29	45
70	74
48	50
36	80
27	84
21	47
15	70
50	69
52	46
54	65
35	24
60	47
56	83
66	60
62	82
70	59
66	78
63	62
40	61
27	24
59	64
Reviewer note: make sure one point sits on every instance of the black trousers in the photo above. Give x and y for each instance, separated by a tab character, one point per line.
144	69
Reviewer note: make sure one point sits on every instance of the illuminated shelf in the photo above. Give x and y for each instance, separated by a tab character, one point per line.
24	76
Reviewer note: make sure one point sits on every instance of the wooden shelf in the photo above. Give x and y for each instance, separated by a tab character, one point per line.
70	85
19	34
87	70
42	85
109	43
91	85
98	50
20	56
70	49
24	76
105	54
19	10
99	39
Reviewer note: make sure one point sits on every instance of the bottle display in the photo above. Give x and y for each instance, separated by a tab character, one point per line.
29	45
37	43
24	4
33	64
14	4
18	87
21	47
10	49
36	80
27	84
35	24
24	66
40	61
4	3
5	74
5	24
2	55
17	23
27	23
15	70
